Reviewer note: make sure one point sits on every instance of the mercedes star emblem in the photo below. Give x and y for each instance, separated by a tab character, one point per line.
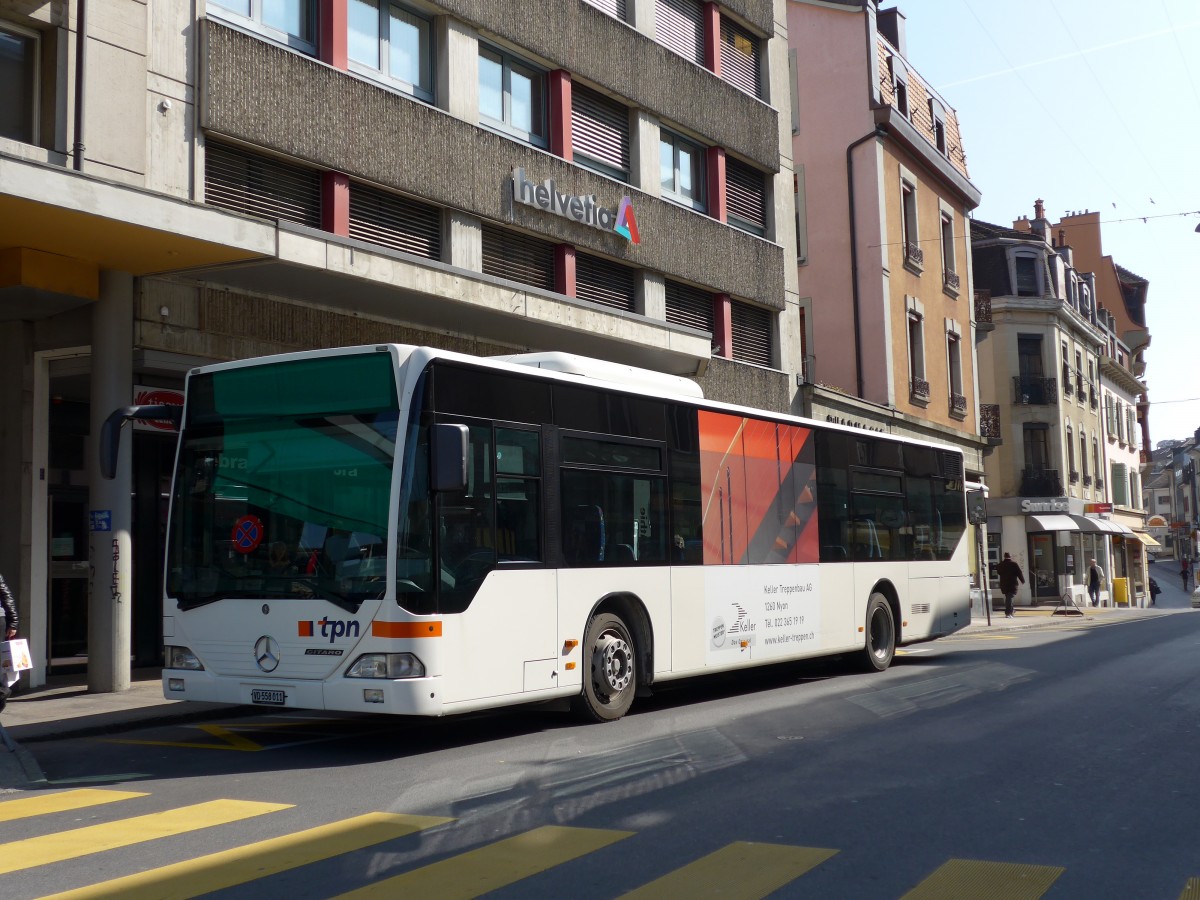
266	653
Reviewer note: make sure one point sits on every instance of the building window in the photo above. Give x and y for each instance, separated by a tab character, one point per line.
389	39
937	115
512	95
681	169
1074	472
679	26
1096	462
914	256
18	83
599	132
615	8
1066	371
261	185
380	217
1120	484
604	282
918	386
750	328
745	197
518	257
899	85
1083	460
739	57
950	279
958	400
1026	276
293	22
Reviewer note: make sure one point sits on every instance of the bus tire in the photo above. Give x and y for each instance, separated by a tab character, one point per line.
881	635
610	670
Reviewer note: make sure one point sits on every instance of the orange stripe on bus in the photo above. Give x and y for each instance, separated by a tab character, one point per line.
406	629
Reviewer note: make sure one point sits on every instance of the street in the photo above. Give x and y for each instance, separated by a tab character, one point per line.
1054	761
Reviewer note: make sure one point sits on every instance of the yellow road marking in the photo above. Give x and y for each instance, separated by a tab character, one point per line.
230	739
51	848
26	807
240	865
743	870
492	867
974	878
1192	890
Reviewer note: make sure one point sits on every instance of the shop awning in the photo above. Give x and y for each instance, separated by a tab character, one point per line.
1050	523
1146	539
1092	525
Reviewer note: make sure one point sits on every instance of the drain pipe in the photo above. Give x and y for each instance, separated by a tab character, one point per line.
879	132
80	66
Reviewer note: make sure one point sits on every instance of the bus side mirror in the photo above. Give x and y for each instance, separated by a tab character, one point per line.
110	431
450	457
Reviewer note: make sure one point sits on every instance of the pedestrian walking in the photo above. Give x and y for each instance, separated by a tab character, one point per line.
8	613
1095	578
1010	574
1184	572
1155	590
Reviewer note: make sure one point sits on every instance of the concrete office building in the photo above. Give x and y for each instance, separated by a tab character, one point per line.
188	183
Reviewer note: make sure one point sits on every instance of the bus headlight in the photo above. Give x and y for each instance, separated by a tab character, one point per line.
182	658
387	665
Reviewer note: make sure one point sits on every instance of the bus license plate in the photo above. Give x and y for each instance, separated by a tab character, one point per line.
271	698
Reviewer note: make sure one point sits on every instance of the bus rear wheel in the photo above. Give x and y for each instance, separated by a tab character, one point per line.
610	679
881	635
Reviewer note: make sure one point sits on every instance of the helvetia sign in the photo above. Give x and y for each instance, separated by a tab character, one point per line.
585	210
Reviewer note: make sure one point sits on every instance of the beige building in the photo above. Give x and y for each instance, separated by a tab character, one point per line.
883	199
188	183
1050	365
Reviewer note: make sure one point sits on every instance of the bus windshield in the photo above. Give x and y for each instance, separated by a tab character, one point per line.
283	482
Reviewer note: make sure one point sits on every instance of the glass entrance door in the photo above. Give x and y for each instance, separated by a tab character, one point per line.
69	577
1043	571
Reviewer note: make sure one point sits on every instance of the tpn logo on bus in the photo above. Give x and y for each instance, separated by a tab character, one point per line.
330	628
585	210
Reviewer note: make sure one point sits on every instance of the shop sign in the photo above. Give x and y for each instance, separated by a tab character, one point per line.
586	209
854	423
1097	507
1050	504
151	396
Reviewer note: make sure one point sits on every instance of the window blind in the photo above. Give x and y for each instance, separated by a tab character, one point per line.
245	182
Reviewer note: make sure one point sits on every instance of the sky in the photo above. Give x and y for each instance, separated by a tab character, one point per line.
1088	105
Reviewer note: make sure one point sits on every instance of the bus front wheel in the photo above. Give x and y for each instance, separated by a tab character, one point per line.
610	677
881	635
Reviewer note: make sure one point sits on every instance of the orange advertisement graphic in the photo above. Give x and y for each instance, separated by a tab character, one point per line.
758	491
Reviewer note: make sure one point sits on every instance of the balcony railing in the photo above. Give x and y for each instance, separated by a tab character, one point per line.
914	254
1087	480
1099	484
1092	401
1074	477
1035	391
958	405
989	421
951	279
1080	392
919	388
1041	483
983	307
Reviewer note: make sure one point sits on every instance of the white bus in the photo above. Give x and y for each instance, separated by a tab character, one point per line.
405	530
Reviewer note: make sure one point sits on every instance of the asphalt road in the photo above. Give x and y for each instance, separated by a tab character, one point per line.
1057	762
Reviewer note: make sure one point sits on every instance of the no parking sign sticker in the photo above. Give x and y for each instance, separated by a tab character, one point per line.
247	534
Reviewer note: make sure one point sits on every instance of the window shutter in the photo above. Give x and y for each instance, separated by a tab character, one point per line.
261	186
397	222
600	129
615	8
751	328
604	282
1120	493
518	257
745	196
679	26
739	57
689	306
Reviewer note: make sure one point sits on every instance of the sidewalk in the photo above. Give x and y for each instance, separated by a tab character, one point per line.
64	708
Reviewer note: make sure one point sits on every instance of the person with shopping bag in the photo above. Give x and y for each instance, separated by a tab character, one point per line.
8	611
